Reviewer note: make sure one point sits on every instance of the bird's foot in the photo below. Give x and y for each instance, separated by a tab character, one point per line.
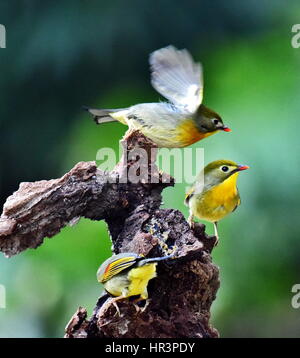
109	302
216	234
117	308
137	307
145	305
192	224
115	304
216	243
191	221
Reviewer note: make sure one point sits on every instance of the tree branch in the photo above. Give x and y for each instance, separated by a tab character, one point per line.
181	295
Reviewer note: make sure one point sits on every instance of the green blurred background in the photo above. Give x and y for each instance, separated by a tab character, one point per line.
61	55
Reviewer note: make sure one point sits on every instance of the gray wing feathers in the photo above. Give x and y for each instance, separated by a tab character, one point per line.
177	77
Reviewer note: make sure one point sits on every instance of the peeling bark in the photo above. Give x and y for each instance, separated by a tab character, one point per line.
181	295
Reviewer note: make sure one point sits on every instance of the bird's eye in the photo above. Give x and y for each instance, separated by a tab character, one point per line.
225	169
216	121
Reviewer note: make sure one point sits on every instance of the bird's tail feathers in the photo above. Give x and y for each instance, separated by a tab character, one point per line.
157	259
102	115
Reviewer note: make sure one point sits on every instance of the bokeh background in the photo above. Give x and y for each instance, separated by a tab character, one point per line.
61	55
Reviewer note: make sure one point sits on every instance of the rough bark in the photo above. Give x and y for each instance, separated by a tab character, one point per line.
181	295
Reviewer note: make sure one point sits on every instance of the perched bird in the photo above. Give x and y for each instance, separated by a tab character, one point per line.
217	195
127	274
178	123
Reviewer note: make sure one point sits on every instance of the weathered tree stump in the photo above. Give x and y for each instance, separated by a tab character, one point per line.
181	295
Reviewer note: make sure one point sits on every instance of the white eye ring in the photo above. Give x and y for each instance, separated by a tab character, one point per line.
224	168
215	121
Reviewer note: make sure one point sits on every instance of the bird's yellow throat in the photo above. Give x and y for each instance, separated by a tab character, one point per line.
188	133
226	190
217	202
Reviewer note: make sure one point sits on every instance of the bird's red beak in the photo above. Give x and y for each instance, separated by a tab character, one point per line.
226	129
242	167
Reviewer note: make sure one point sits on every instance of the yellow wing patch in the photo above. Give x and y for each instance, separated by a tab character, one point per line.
117	266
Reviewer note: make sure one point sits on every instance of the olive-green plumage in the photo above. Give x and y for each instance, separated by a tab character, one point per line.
127	274
214	194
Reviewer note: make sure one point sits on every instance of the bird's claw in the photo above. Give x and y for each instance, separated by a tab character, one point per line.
117	308
143	309
216	243
192	224
145	306
137	308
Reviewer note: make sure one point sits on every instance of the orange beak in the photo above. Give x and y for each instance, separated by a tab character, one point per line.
226	129
242	167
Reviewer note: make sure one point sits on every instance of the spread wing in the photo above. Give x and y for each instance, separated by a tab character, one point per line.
107	271
177	77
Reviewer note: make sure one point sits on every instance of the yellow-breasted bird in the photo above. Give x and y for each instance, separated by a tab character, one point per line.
178	123
127	274
217	195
